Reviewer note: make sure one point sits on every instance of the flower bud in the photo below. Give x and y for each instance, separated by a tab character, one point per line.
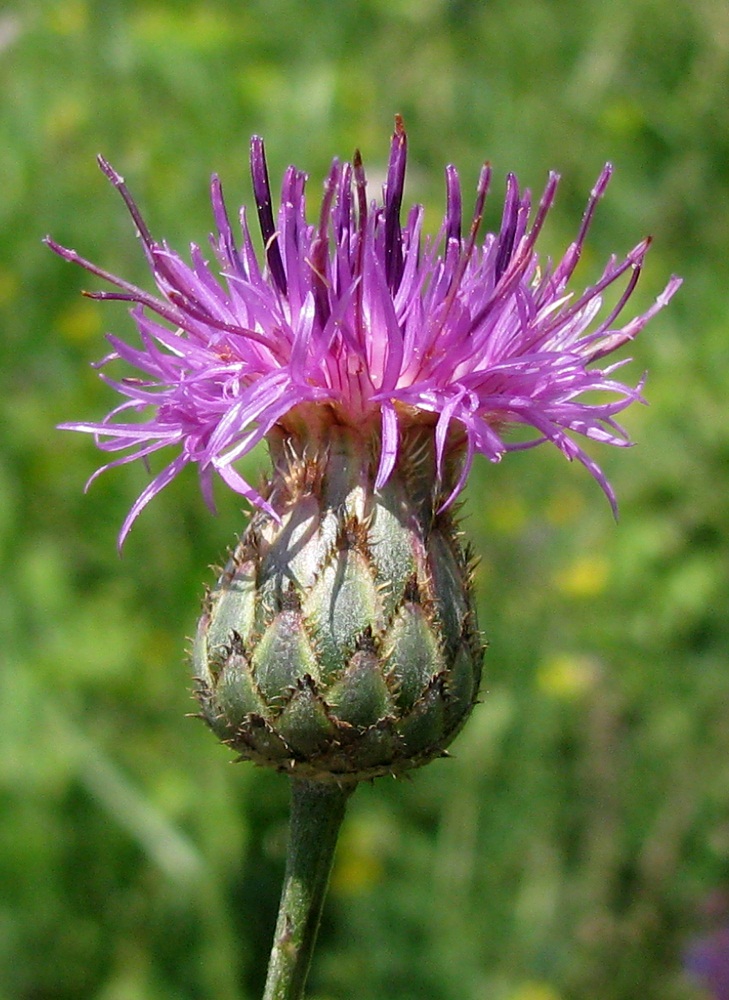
341	642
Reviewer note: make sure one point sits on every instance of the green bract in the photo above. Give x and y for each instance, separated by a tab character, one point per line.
342	642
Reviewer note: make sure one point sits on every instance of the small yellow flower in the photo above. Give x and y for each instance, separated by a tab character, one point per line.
359	864
509	517
566	676
79	323
535	991
69	18
9	286
587	576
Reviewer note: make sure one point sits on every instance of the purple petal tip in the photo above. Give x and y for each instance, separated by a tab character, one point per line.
357	315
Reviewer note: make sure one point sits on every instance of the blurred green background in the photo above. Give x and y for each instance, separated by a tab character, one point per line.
569	850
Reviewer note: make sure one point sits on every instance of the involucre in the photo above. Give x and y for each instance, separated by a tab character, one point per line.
341	642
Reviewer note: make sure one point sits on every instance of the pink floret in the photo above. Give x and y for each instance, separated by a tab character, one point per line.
367	318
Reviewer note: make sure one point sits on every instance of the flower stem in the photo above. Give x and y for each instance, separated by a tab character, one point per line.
317	811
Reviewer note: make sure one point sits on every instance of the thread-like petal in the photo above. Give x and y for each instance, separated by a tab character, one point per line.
359	315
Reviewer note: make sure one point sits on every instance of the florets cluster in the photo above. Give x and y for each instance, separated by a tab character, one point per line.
360	321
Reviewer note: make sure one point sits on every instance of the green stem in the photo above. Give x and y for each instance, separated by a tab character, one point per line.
317	811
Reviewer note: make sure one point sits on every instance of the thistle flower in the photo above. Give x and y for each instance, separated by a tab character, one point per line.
341	640
707	962
360	322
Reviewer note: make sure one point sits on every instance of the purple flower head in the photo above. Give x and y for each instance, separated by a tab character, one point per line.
358	320
707	962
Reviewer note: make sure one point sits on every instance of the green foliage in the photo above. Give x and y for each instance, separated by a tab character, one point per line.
564	854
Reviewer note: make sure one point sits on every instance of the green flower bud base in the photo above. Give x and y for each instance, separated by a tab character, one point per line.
341	643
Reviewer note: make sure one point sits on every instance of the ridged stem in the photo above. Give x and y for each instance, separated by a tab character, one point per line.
317	811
